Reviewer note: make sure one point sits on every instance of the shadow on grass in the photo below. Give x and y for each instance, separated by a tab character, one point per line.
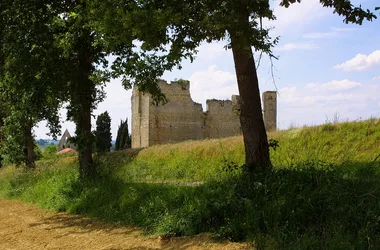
76	225
312	206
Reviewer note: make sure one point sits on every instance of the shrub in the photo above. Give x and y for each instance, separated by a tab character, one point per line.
50	151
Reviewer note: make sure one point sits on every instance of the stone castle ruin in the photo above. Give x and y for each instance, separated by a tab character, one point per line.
182	119
65	142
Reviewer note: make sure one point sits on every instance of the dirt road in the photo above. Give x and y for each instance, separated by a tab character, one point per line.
25	226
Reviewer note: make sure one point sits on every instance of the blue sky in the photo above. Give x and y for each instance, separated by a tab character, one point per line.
326	68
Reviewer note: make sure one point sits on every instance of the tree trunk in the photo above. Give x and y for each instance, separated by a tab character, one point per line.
86	165
30	157
84	98
1	140
83	94
251	116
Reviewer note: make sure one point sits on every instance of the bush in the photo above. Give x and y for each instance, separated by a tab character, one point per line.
50	151
37	152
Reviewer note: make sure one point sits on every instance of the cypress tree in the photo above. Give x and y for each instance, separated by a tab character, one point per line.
117	143
128	140
123	139
103	136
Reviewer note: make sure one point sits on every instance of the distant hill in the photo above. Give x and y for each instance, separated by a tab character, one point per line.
46	142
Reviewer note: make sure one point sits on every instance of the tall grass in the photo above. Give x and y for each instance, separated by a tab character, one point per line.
197	161
322	194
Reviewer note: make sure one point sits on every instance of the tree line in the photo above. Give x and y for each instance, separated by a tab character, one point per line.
54	53
103	136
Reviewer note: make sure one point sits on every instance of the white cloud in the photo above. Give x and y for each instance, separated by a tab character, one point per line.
314	103
318	35
333	85
301	98
212	83
211	51
335	29
296	46
361	62
376	78
334	32
296	16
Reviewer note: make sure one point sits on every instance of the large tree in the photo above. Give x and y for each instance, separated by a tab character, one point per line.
50	54
31	87
172	30
81	67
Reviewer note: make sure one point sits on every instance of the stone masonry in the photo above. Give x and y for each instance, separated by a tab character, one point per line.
270	110
182	119
65	142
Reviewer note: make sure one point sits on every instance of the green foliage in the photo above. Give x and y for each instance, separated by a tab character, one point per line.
85	66
37	152
103	136
170	31
32	87
123	139
50	152
14	146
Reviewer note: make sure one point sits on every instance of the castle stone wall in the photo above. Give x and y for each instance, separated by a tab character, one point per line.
181	119
270	110
222	120
140	119
178	120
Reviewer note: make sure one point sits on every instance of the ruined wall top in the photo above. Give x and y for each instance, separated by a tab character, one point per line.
175	87
183	119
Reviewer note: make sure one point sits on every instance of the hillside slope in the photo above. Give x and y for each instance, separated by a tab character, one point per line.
323	193
194	161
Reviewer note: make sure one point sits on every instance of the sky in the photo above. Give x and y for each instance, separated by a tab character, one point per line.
327	70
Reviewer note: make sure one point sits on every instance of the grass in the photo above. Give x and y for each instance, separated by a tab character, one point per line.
199	161
324	192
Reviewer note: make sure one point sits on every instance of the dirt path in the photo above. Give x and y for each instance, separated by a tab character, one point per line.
25	226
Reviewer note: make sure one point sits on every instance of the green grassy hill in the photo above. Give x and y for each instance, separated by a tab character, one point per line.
196	161
323	192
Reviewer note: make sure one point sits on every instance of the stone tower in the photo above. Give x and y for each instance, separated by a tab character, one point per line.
270	110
